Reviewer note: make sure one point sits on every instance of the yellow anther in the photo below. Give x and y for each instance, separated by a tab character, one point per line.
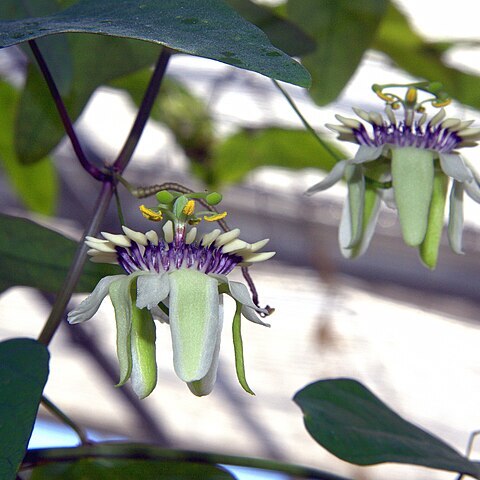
189	208
442	103
149	214
214	218
384	96
411	96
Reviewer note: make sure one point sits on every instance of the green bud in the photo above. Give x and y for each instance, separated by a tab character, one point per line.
213	198
164	196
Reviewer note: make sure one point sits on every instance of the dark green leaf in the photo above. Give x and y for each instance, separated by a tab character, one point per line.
55	49
409	51
343	31
35	256
35	184
23	374
106	469
37	116
283	34
247	150
352	423
207	28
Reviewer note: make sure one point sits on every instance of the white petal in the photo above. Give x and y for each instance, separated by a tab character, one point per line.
191	235
210	237
455	218
205	385
137	237
194	322
362	114
120	240
339	128
152	289
473	190
227	237
89	306
349	122
168	231
152	237
367	154
333	177
101	247
257	257
234	246
250	314
438	117
351	224
240	293
453	165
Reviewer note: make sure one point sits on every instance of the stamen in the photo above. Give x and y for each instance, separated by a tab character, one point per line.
216	217
189	208
150	214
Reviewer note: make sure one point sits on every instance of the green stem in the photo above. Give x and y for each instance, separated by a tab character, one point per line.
322	142
150	452
54	410
76	267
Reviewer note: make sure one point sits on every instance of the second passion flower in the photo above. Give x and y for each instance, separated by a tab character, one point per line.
408	161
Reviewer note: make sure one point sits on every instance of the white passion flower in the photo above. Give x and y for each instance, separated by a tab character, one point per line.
178	279
407	162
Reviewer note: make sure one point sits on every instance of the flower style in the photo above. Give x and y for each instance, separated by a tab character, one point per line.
179	280
406	163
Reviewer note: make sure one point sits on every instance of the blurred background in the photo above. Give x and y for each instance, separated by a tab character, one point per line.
409	334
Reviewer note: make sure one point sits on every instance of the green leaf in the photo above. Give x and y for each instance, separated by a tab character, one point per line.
37	257
55	49
429	247
238	348
352	423
207	28
37	116
247	150
343	30
23	375
37	184
284	34
410	52
107	469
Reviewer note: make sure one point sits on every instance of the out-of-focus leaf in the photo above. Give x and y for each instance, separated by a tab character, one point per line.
55	49
247	150
106	469
23	375
409	51
37	257
207	28
37	115
35	184
283	34
352	423
185	114
343	31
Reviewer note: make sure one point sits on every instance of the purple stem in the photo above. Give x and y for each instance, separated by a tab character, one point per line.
67	123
